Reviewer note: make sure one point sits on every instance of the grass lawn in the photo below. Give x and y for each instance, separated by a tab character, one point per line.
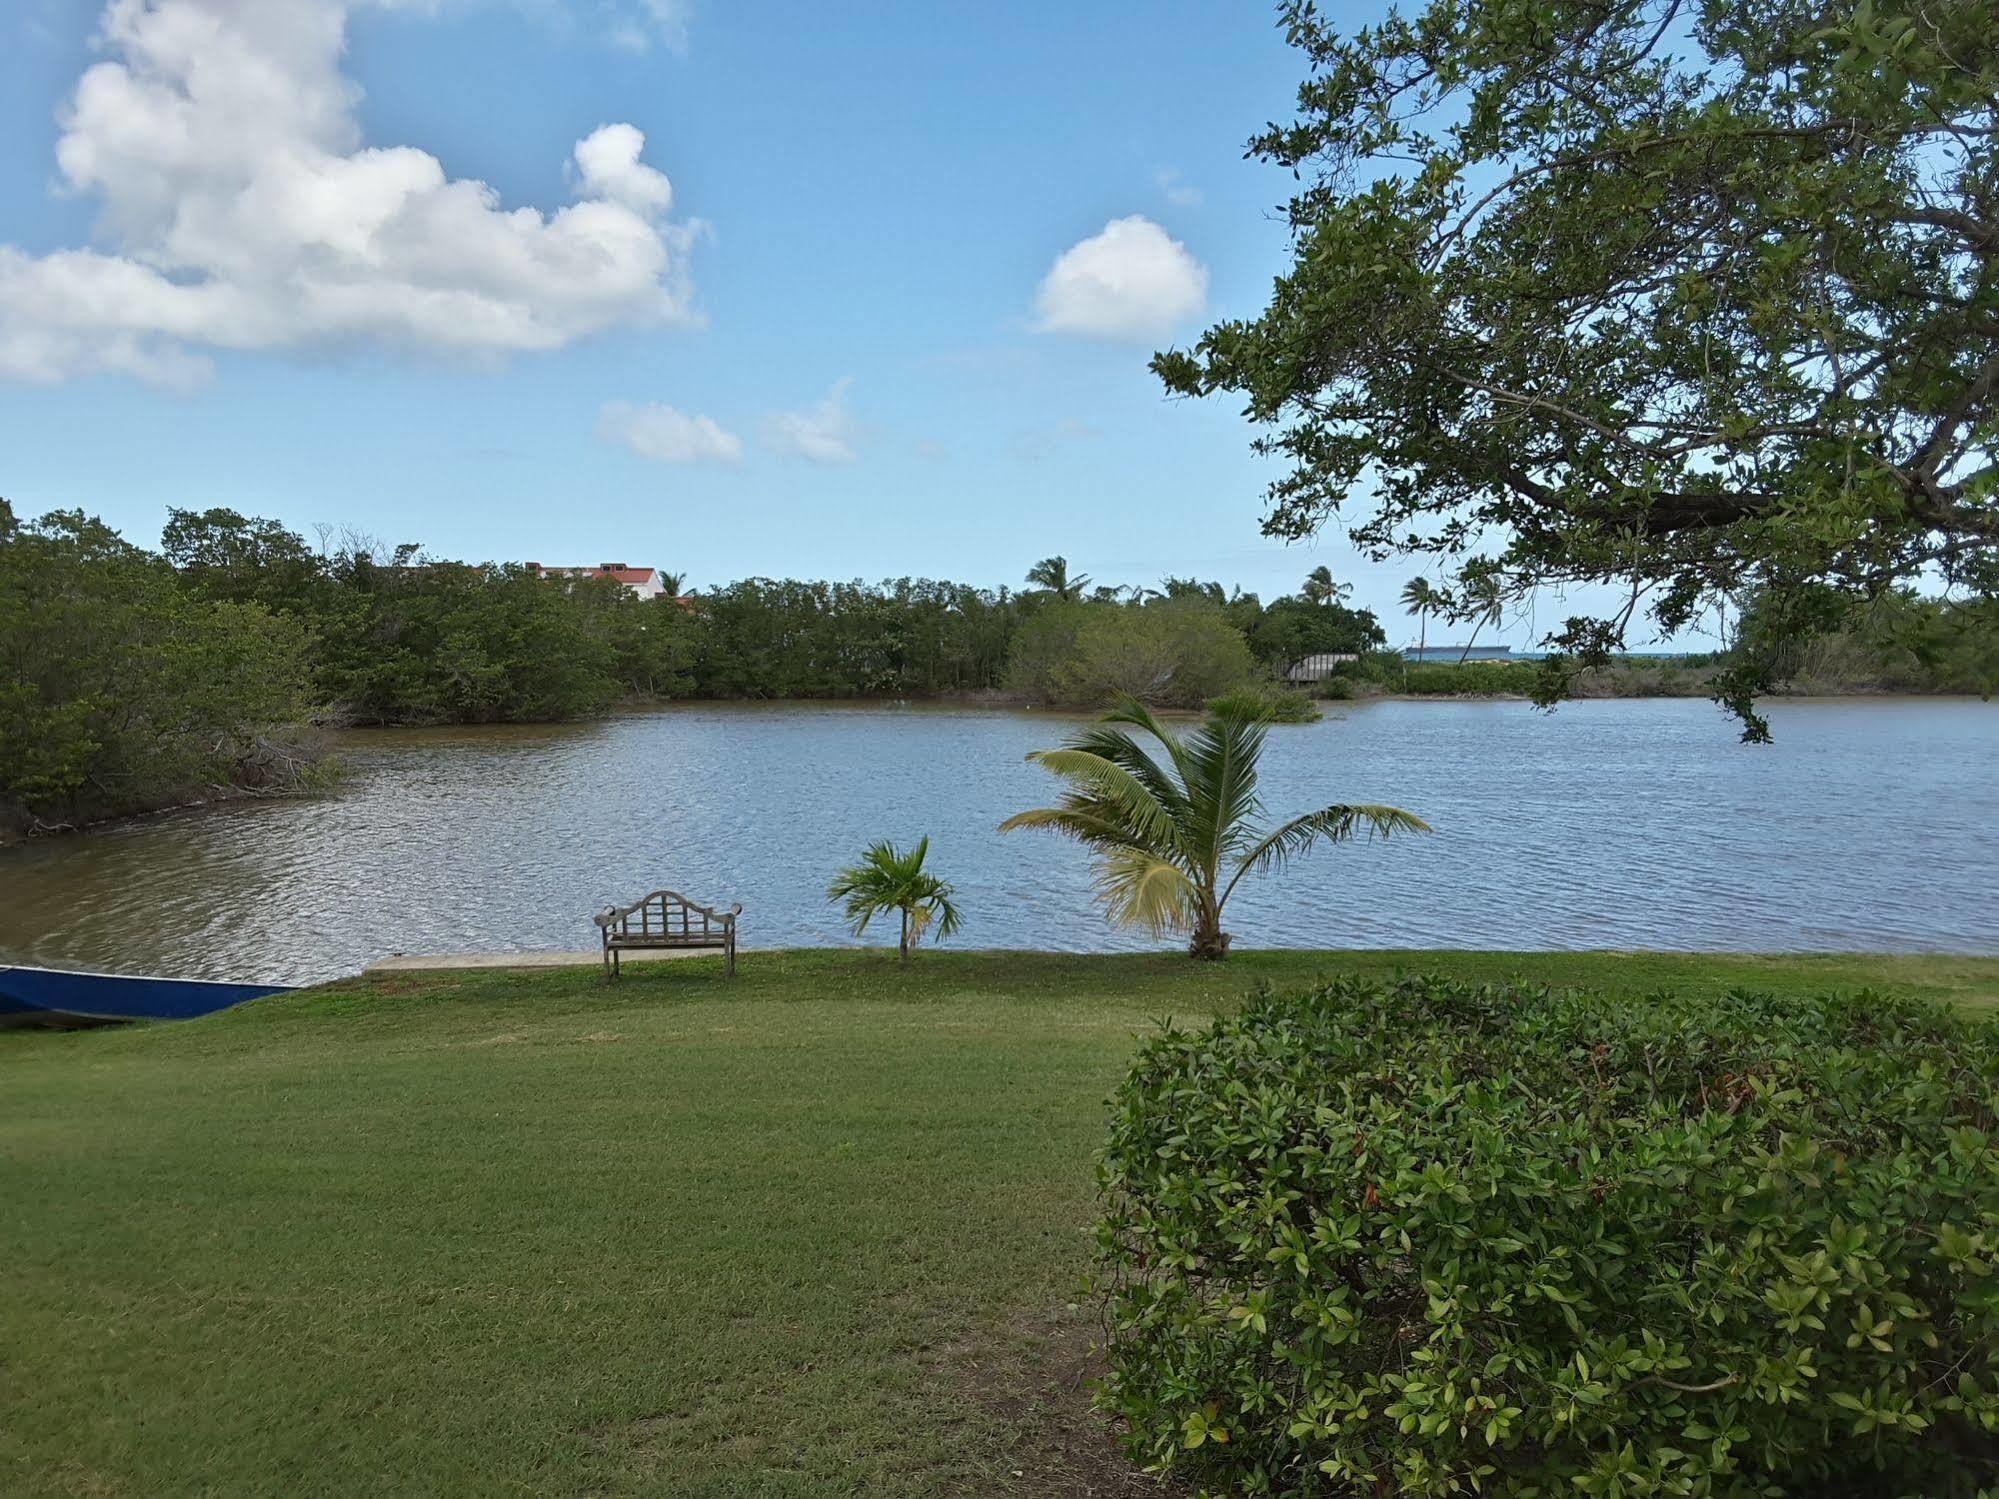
813	1233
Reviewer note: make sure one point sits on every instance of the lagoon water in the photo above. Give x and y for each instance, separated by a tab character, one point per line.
1868	826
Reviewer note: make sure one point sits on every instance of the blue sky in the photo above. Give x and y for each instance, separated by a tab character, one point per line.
864	372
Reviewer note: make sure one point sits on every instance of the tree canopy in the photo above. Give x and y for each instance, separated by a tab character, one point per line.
1692	297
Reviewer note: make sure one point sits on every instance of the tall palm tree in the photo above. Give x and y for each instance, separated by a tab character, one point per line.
1174	836
1319	587
1052	573
887	880
672	583
1484	607
1420	598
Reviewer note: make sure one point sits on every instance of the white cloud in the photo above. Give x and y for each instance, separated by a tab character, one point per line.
608	167
1131	282
241	210
667	436
822	433
637	25
1180	194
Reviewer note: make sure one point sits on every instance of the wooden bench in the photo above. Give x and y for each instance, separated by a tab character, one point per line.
666	919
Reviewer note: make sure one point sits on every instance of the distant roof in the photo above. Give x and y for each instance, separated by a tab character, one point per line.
1319	664
616	571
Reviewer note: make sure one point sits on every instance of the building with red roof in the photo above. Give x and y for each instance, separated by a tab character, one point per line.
646	582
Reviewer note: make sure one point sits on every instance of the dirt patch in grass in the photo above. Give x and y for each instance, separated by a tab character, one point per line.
1037	1380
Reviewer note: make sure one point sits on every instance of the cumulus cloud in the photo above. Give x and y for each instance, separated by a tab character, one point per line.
1132	282
667	436
822	433
240	209
608	167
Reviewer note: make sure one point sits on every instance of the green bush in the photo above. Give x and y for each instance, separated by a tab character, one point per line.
1429	1239
1175	652
1473	678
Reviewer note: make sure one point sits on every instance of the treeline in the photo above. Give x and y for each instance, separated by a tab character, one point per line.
404	638
142	679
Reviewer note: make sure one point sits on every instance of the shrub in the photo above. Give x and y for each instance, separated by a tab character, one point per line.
1473	678
1427	1238
1176	652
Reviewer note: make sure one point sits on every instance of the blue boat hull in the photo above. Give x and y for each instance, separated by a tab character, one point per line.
57	997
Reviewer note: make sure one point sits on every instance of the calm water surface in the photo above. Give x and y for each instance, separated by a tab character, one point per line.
1869	825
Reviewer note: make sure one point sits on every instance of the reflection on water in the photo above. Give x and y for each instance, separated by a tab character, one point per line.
1867	826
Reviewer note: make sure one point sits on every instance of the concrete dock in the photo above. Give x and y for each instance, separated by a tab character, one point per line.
458	962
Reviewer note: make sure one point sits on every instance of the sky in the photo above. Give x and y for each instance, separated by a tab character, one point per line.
731	289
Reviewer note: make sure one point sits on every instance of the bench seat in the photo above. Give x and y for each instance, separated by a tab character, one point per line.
666	919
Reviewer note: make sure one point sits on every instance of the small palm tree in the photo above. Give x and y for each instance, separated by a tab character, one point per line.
887	880
672	583
1052	573
1173	838
1419	598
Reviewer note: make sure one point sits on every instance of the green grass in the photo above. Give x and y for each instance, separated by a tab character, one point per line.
510	1234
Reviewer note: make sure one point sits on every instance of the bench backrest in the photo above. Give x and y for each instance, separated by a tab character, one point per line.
667	915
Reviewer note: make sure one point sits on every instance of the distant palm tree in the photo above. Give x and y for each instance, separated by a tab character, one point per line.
672	583
1184	588
1052	573
1486	607
1420	598
887	880
1168	833
1321	589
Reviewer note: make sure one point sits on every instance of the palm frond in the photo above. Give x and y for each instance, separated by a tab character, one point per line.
1126	709
1221	760
1118	747
1088	827
1139	889
1111	784
1339	823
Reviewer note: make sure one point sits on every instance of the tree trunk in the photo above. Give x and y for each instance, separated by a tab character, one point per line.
904	948
1208	942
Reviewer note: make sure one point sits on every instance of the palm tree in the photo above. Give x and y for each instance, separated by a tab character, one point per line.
1484	607
1420	598
1174	837
672	583
1052	573
1320	588
886	880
